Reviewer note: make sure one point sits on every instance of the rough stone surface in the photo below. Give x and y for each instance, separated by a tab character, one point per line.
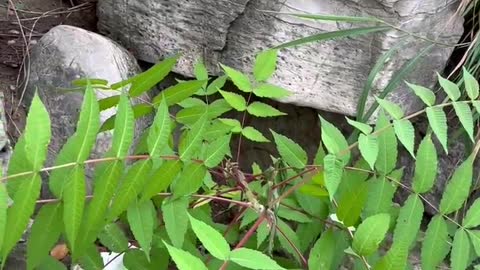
328	75
5	149
67	53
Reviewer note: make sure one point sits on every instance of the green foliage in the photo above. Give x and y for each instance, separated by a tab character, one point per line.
370	233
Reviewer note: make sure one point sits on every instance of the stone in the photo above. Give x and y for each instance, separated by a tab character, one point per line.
326	75
67	53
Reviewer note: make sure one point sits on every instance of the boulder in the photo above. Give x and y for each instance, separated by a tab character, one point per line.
67	53
327	75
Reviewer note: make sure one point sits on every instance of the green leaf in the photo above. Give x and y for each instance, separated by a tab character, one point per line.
472	218
405	134
334	140
435	244
3	211
328	251
51	264
185	260
253	135
333	170
84	82
193	140
291	152
200	71
159	131
425	94
237	101
370	233
293	215
458	188
265	64
452	90
44	233
191	102
74	202
135	259
214	86
216	129
471	84
190	180
287	238
475	239
270	91
92	260
368	146
132	184
108	102
141	219
37	133
408	222
211	239
393	109
387	145
438	121
465	116
146	80
395	259
78	147
352	199
234	123
364	128
124	128
191	115
260	109
380	197
425	166
113	238
333	35
241	81
179	92
476	104
175	217
216	151
460	251
253	259
161	178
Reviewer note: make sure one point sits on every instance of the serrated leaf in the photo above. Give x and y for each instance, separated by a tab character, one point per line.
211	239
370	233
464	114
175	217
293	215
113	238
408	222
253	135
193	139
184	260
393	109
191	102
74	202
405	134
216	151
364	128
51	263
425	94
260	109
213	87
352	200
190	180
44	233
132	183
124	128
287	238
438	121
78	147
92	260
472	218
140	217
471	84
327	253
135	259
216	129
435	244
161	178
200	70
387	145
241	81
308	233
368	146
380	197
237	101
265	64
270	91
37	133
460	251
234	123
253	259
159	131
334	140
395	259
333	170
458	188
189	116
475	240
179	92
425	166
452	90
291	152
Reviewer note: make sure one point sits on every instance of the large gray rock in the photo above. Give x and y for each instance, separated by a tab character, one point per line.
67	53
327	75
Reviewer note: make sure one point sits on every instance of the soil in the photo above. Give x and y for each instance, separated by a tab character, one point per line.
22	24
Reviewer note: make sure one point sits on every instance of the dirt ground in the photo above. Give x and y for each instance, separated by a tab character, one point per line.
22	24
